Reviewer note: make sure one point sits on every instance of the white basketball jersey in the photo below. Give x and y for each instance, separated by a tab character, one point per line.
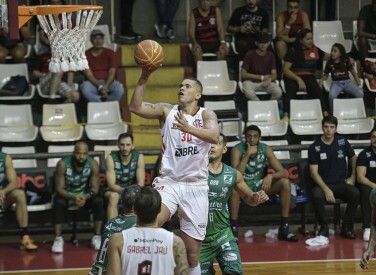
147	251
185	157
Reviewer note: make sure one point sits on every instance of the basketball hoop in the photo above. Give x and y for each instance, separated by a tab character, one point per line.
66	27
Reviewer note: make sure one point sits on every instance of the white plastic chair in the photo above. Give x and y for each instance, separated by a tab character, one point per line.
358	141
60	123
328	82
279	154
373	60
16	123
351	115
231	125
215	78
305	116
9	70
265	115
304	153
107	149
210	55
240	82
52	162
326	33
21	163
107	38
39	91
104	121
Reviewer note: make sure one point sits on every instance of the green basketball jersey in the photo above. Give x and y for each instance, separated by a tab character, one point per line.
256	166
125	174
77	182
3	177
220	189
117	224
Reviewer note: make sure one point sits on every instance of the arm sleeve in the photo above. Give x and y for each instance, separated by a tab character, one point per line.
312	156
361	160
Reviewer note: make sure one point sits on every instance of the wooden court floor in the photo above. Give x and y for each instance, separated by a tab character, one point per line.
260	255
282	268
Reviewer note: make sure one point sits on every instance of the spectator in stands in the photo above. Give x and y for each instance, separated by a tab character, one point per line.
123	168
53	84
366	179
366	28
124	221
10	194
250	157
206	31
328	169
259	72
289	23
217	3
369	72
339	66
126	16
15	49
245	23
219	241
299	69
100	84
367	255
166	11
77	185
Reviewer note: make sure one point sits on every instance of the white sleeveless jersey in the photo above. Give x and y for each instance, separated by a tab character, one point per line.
147	251
185	157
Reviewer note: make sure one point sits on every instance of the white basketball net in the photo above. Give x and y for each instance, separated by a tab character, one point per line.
67	40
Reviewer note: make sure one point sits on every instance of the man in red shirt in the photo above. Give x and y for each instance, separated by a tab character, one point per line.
100	84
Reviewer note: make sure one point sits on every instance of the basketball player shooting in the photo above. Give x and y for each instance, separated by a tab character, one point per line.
187	134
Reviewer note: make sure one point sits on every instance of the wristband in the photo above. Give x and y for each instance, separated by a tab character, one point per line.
287	27
100	87
262	78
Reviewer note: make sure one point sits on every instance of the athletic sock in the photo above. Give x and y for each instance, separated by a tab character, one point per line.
23	231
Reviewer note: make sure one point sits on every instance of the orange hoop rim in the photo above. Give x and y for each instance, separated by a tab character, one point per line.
25	13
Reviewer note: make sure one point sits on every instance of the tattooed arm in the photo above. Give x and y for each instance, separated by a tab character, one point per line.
180	256
145	109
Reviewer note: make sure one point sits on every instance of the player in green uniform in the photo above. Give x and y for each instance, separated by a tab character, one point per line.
10	194
250	157
77	184
123	168
219	241
124	221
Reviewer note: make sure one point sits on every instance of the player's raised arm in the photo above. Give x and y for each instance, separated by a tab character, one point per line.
145	109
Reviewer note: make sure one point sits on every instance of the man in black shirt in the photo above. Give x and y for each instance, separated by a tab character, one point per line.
328	167
366	178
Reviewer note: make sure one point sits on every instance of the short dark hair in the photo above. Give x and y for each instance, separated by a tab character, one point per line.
148	205
125	135
224	138
129	196
252	128
329	119
197	81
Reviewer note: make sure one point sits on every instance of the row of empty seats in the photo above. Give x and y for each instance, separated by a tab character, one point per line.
60	123
305	117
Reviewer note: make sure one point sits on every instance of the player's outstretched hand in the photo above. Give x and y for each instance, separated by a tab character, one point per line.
181	123
260	197
367	255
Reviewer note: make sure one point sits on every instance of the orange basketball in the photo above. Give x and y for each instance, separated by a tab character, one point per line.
149	55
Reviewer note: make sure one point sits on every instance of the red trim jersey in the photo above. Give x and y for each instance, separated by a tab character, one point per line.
185	158
147	251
